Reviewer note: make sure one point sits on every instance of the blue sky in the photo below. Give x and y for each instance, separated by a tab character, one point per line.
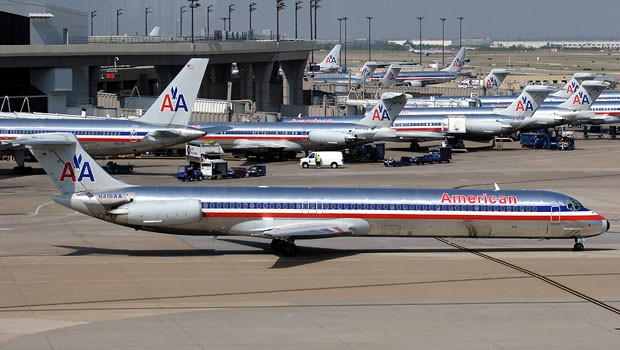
393	19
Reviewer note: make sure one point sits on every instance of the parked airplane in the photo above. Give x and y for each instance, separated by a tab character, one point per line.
478	127
288	138
423	78
163	124
546	106
358	78
426	52
557	97
285	214
482	124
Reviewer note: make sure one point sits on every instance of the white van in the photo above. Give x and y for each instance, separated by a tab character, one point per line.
332	159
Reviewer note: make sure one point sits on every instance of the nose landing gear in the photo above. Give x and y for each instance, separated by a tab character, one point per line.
578	247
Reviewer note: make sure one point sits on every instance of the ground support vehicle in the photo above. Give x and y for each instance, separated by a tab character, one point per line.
189	173
115	168
257	170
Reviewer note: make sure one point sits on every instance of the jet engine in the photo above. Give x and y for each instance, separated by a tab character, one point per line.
414	83
326	137
158	212
486	129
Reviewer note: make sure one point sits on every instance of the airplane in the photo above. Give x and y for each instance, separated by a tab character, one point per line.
476	127
163	124
411	49
483	124
557	97
358	78
547	106
288	138
287	214
423	78
456	126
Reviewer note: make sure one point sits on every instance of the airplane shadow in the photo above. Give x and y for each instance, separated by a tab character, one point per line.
306	255
9	172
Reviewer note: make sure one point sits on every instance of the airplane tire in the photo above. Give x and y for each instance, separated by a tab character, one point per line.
578	247
277	245
289	249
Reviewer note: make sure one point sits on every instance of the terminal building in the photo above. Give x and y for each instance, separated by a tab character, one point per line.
47	55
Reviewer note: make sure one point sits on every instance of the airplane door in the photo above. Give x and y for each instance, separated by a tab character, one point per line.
133	134
554	221
555	215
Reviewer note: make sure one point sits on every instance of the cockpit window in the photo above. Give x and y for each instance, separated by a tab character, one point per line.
574	205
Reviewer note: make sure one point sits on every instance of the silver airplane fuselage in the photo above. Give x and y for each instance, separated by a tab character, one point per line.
100	136
251	211
291	136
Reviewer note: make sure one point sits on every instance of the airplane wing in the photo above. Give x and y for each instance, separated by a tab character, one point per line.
301	229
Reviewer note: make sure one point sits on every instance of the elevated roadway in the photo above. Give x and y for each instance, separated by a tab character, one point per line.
45	66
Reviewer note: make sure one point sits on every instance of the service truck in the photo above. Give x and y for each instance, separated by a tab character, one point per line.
207	158
328	158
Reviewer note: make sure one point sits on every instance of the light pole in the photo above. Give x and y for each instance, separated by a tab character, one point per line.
311	33
420	46
443	46
209	10
193	5
340	30
181	12
460	31
369	19
297	7
252	9
118	13
231	8
316	6
147	10
93	14
279	6
345	43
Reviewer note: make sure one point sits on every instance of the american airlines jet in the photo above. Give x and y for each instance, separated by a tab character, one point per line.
163	124
270	137
285	215
423	78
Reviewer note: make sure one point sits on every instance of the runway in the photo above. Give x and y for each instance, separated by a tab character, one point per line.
71	282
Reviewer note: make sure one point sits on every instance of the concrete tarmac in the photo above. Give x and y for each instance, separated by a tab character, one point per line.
68	281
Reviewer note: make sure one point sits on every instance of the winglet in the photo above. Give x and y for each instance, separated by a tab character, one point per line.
174	106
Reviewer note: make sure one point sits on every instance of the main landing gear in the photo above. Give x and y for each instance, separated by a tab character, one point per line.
578	247
286	248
